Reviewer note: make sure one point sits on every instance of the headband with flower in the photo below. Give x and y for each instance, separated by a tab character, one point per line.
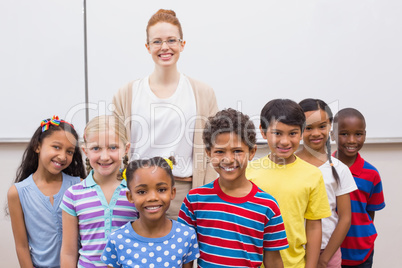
45	124
55	121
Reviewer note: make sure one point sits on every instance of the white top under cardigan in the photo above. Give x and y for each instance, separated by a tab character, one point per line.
206	106
164	127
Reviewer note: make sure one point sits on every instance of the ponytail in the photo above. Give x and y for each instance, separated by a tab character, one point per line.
121	175
334	172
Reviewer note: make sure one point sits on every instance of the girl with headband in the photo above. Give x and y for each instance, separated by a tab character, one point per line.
165	112
51	163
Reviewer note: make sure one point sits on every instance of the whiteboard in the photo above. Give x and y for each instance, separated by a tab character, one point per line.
41	65
347	53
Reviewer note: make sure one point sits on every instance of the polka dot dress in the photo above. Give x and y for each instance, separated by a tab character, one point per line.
125	248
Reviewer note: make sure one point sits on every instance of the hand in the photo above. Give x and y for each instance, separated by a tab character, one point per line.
322	263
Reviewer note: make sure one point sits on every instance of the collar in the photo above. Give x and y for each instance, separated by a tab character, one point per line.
90	182
357	166
232	199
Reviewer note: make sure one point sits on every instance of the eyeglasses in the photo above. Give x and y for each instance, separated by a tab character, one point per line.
171	42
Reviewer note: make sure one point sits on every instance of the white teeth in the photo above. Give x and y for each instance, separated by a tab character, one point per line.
228	169
56	163
165	55
152	208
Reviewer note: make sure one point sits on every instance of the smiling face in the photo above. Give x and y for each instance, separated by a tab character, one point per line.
151	191
316	132
283	140
104	150
230	155
164	55
56	152
349	134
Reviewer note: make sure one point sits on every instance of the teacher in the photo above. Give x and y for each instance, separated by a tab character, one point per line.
165	112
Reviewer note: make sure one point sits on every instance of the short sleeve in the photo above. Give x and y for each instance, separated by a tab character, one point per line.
274	231
347	183
68	204
318	205
109	254
193	251
376	199
186	214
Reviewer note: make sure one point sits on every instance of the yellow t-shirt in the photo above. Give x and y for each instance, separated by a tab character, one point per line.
300	191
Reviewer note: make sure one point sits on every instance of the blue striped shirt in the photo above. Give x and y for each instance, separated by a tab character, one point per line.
232	231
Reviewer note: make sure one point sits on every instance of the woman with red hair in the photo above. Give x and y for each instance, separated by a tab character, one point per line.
165	112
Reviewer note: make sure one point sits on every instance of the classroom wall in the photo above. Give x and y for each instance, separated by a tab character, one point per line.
332	50
386	157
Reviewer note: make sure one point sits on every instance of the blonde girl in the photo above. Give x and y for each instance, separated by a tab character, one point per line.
98	205
338	180
51	163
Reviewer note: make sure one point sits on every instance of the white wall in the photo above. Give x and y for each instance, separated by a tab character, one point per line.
386	157
332	50
10	157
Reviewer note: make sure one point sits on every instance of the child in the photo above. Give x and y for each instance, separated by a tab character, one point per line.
51	163
153	240
337	177
237	223
98	205
350	133
297	185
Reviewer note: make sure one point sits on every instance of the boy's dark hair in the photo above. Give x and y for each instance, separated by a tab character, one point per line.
348	112
309	105
156	161
30	158
229	120
282	110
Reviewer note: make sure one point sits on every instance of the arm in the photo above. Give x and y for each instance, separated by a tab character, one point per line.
120	99
122	104
206	106
341	229
188	265
18	227
272	259
313	247
69	246
213	109
371	213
